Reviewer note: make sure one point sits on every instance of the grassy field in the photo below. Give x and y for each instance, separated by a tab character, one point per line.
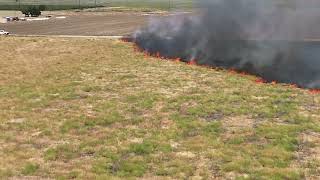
96	109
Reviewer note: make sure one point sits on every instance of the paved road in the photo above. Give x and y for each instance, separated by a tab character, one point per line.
109	24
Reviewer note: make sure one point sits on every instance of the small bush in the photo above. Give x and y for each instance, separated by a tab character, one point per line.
132	169
35	11
25	11
30	169
142	149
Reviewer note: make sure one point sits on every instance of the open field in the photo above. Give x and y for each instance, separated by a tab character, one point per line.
84	108
76	4
10	13
84	23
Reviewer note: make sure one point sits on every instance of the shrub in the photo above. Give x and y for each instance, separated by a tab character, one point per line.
25	11
30	168
35	11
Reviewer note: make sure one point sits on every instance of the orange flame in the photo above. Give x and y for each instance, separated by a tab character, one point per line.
314	91
177	60
260	81
233	71
146	54
192	62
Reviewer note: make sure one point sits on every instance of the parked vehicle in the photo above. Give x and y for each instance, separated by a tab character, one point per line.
3	32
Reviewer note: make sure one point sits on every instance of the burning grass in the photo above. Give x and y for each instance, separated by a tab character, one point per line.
89	109
258	80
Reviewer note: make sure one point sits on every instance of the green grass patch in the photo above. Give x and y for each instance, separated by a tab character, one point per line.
61	152
30	169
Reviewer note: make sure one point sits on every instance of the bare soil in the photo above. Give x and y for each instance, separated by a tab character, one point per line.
84	24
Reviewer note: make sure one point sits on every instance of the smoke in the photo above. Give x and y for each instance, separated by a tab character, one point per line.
258	37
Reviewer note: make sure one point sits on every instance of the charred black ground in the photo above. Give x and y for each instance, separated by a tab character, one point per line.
259	38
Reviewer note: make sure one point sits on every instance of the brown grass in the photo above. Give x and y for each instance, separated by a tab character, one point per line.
86	109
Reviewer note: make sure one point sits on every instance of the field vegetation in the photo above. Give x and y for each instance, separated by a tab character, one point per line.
95	108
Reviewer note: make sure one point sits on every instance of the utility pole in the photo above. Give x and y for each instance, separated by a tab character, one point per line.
79	4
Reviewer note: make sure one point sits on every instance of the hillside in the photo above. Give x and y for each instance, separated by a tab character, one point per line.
95	108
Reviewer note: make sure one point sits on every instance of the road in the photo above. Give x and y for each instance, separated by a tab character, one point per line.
84	24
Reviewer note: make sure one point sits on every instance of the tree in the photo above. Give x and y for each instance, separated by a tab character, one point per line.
26	12
33	11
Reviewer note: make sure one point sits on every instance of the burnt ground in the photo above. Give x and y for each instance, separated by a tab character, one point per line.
84	24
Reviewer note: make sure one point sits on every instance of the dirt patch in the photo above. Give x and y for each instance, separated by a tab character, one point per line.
308	155
239	122
234	126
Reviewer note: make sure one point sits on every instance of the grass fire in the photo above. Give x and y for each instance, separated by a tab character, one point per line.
247	36
227	89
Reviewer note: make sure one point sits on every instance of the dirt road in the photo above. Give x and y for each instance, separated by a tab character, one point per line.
84	24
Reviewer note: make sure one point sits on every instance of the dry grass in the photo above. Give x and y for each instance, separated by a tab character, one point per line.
81	108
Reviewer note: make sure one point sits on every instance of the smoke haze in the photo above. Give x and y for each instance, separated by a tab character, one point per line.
257	37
